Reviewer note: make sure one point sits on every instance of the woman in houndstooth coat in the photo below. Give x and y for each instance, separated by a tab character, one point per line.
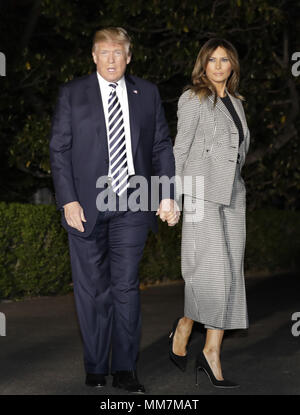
211	143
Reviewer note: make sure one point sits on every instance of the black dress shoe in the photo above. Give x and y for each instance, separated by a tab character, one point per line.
202	364
180	361
127	380
96	380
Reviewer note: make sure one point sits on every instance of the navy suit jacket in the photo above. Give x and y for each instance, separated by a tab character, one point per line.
78	143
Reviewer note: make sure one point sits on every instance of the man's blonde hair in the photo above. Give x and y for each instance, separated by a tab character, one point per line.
113	34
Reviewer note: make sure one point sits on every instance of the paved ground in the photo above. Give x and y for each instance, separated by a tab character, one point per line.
42	352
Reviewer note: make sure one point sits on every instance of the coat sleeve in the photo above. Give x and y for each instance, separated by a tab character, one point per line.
247	137
247	140
61	151
188	117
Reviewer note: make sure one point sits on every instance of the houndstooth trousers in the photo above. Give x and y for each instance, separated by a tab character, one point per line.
212	262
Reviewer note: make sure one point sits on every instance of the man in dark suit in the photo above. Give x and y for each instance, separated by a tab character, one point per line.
108	125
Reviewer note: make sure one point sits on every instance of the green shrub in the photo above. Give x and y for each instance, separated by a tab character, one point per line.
273	240
34	254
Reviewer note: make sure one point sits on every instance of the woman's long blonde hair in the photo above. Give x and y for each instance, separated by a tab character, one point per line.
201	85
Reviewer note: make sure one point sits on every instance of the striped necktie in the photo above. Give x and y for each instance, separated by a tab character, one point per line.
117	143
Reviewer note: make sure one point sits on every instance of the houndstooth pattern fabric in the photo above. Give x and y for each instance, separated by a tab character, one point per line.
207	145
212	263
212	251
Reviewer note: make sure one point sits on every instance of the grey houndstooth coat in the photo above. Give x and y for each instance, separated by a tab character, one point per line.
209	135
212	253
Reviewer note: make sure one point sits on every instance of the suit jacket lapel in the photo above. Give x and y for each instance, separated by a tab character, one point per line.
238	107
222	107
97	112
134	103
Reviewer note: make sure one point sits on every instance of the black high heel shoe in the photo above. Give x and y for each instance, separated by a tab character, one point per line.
180	361
202	364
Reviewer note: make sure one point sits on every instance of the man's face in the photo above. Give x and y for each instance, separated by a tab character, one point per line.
111	60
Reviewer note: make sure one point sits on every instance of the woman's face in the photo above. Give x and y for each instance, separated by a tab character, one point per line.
219	67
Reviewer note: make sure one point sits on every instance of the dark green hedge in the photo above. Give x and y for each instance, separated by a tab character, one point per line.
273	241
34	256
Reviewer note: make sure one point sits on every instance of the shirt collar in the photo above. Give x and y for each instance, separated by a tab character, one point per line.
105	84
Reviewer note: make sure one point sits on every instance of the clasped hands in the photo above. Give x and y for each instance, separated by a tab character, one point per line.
168	211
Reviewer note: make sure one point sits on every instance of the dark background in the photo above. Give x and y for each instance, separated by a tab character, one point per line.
48	42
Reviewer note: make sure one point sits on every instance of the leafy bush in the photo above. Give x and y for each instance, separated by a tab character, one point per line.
34	254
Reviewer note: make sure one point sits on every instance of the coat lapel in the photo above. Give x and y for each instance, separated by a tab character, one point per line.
134	104
238	107
97	112
222	107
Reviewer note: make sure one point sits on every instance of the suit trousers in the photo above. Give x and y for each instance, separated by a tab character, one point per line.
106	289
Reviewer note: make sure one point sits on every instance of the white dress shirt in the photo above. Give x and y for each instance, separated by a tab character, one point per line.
121	92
